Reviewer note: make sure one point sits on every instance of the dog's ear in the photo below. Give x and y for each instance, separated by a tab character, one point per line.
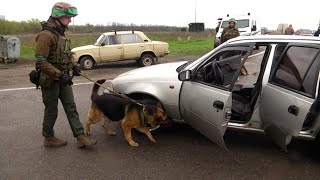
150	109
158	105
101	81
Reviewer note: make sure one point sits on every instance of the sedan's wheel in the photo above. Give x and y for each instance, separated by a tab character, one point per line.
146	60
86	63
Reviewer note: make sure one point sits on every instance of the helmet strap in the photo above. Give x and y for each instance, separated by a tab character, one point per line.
57	25
62	25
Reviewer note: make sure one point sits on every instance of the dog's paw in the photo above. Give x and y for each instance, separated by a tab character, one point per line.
252	73
133	144
101	81
87	133
153	140
111	133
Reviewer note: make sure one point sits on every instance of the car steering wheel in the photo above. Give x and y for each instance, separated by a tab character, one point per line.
218	76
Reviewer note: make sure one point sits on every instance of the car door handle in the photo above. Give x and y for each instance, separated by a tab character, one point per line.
119	47
293	110
141	45
219	105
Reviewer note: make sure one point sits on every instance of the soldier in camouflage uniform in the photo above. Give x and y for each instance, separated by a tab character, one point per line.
229	32
289	30
53	58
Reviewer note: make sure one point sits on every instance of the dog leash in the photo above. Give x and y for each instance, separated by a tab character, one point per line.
119	94
95	82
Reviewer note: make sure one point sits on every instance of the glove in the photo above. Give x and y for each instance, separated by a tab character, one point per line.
65	80
76	71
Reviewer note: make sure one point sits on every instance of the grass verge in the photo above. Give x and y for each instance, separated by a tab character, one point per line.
180	44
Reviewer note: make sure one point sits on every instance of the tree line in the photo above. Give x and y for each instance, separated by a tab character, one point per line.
33	26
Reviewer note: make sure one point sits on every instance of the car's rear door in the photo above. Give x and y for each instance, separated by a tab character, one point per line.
205	105
112	50
132	46
289	93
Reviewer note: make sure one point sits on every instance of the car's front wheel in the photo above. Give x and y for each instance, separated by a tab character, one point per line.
86	63
146	60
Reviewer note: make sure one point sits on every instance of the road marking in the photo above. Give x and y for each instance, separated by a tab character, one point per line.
28	88
256	54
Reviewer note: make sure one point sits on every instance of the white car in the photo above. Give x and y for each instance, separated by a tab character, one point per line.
273	90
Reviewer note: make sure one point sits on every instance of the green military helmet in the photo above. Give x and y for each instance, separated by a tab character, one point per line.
233	20
63	9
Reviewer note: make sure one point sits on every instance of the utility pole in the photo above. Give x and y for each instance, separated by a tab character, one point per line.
195	10
73	26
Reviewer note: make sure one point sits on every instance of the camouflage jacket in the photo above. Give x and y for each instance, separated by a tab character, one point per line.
52	53
229	33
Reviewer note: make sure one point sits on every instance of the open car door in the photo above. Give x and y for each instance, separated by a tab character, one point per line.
287	97
206	105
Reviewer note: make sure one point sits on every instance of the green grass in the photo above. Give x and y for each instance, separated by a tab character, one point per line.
190	47
180	44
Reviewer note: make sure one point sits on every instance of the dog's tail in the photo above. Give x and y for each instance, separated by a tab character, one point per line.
96	87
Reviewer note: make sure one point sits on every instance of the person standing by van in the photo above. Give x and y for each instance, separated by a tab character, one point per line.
230	32
317	32
289	30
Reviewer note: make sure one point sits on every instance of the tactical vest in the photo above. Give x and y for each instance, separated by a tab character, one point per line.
230	33
59	57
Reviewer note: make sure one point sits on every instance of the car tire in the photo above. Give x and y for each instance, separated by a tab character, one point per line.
146	60
86	63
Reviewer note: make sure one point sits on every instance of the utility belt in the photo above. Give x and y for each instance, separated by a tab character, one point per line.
47	81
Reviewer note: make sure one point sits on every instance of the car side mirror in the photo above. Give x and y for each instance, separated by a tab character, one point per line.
184	75
254	28
103	44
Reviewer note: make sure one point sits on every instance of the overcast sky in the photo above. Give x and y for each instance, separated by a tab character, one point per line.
269	13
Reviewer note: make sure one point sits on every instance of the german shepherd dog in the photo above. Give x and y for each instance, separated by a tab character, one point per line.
114	107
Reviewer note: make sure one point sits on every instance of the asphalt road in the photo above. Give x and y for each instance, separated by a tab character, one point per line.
179	153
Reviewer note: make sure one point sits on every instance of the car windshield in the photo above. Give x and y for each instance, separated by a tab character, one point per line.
193	63
181	67
241	23
99	40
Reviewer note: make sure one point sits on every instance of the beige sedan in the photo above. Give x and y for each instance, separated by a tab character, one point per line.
118	46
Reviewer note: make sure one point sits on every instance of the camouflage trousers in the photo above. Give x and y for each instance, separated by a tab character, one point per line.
50	96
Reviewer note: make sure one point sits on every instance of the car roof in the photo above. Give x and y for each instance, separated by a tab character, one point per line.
276	38
122	32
